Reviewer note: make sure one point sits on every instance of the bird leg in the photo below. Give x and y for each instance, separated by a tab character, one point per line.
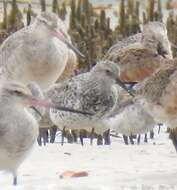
131	139
53	131
92	136
138	139
81	137
45	136
107	140
63	132
99	140
14	180
145	138
69	137
152	134
159	124
125	139
74	136
173	137
39	138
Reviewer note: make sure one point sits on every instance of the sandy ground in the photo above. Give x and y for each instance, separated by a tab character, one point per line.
139	167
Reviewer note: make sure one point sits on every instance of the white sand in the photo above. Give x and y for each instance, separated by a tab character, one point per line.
116	167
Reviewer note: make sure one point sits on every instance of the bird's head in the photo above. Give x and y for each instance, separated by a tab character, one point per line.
111	70
155	37
56	27
22	95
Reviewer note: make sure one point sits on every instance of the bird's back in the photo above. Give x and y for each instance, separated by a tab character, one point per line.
83	92
115	49
136	62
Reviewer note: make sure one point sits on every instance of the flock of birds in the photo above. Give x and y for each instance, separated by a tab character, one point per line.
35	57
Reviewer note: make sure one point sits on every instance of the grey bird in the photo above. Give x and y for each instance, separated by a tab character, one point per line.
18	127
133	119
38	52
92	91
138	56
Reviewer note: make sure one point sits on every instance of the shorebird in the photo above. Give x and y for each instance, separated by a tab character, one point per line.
138	56
132	120
18	127
93	91
129	118
157	94
38	52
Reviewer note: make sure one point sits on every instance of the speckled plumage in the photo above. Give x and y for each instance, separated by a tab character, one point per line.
91	92
158	94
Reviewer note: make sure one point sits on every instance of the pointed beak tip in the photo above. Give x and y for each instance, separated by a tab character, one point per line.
64	39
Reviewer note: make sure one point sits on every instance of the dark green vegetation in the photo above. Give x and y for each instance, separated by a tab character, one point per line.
89	27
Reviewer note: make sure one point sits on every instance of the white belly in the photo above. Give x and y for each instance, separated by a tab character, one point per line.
78	121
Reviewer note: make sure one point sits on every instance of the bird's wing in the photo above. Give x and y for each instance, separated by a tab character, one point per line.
12	43
81	92
168	98
125	43
154	86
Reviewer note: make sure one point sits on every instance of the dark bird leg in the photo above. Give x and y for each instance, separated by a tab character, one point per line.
145	138
173	137
159	124
63	132
15	180
107	139
74	136
125	139
81	137
39	138
53	131
152	134
70	137
47	136
138	139
131	139
99	140
44	135
91	136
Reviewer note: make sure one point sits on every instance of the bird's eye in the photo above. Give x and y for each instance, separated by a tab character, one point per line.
17	92
108	71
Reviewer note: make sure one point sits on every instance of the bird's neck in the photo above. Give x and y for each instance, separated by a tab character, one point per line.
102	77
150	43
40	32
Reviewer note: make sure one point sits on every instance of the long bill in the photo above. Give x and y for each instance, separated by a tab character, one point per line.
44	103
60	35
121	84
